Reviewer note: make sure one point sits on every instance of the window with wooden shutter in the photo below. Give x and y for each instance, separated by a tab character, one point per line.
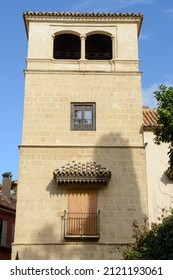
82	218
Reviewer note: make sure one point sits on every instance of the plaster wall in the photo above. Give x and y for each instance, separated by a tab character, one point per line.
160	188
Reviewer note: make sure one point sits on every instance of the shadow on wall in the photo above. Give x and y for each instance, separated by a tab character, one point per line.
165	180
120	202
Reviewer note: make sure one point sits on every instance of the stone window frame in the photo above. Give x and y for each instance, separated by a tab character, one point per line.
84	106
83	54
62	49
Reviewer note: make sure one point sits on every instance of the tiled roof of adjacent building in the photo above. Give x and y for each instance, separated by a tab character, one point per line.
89	172
149	118
7	203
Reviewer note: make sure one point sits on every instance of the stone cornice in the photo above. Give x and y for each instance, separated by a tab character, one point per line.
41	146
82	17
83	72
82	65
70	61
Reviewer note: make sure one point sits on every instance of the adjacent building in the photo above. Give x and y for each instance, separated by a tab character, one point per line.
159	186
7	215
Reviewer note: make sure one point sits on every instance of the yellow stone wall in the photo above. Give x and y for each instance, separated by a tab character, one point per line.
41	203
48	143
47	108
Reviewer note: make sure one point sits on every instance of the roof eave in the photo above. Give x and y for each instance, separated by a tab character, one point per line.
26	25
82	180
149	128
137	17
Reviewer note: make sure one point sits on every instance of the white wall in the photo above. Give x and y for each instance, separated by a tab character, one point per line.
160	188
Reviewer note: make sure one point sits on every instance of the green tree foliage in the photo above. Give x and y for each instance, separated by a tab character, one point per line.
164	130
153	244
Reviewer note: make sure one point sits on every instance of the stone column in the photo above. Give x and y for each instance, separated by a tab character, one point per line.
82	39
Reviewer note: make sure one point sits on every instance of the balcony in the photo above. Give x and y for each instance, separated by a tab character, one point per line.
82	225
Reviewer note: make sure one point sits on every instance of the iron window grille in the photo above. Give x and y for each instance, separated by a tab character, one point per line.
83	116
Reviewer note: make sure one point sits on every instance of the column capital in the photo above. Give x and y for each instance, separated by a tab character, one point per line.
83	36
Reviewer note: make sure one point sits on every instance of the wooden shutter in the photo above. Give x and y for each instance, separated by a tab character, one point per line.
82	212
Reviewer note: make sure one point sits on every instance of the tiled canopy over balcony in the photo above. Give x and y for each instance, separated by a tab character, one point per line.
89	172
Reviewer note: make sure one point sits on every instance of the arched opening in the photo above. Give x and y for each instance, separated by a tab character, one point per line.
66	46
98	47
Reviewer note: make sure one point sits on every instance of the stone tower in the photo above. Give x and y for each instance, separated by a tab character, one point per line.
82	177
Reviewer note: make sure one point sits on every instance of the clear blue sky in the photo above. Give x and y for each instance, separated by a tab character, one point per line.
155	53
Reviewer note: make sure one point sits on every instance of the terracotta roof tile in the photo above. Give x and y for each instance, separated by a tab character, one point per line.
7	203
81	14
89	172
149	118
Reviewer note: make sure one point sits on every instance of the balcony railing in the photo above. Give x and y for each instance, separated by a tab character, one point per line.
82	225
99	55
66	55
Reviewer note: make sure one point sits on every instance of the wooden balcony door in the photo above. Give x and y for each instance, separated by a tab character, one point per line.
82	212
